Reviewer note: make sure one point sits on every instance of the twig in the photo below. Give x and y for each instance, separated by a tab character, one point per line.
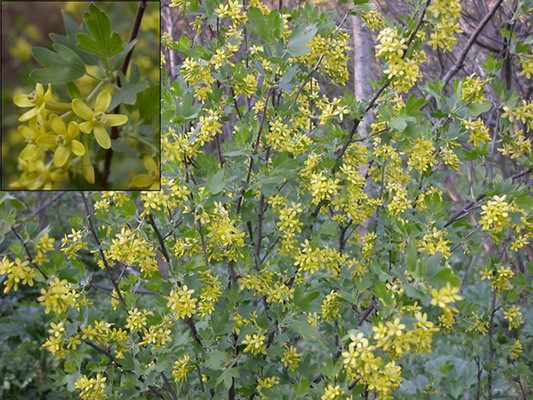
28	254
159	238
101	251
115	130
459	63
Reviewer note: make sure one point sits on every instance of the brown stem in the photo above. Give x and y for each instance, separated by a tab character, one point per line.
101	251
115	130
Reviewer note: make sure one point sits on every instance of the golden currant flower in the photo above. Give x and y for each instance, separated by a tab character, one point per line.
31	133
149	181
36	99
64	139
96	120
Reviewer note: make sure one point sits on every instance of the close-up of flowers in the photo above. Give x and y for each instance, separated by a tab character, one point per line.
86	117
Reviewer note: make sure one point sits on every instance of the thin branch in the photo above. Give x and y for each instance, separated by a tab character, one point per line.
115	130
100	250
160	239
459	63
28	253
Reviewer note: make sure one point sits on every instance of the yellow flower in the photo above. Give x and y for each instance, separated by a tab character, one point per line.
32	151
97	119
149	181
36	99
64	139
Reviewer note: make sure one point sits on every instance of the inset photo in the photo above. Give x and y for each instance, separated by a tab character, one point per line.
81	96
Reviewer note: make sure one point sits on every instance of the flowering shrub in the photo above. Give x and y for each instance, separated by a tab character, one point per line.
290	254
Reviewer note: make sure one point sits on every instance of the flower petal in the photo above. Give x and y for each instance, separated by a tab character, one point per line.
29	114
77	148
86	127
58	125
30	152
48	94
149	163
61	156
21	100
103	100
46	141
27	132
141	181
115	119
82	110
39	90
73	129
102	137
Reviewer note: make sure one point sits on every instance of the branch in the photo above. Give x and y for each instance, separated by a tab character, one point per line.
24	244
115	130
102	254
459	63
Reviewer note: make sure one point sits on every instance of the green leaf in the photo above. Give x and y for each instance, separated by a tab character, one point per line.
73	91
274	25
215	182
412	255
103	42
305	329
215	359
127	94
301	35
525	202
479	108
258	25
444	276
61	66
302	388
148	108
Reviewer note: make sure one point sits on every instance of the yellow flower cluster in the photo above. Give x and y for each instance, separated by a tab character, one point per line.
44	245
479	133
403	71
330	308
526	62
181	369
478	324
373	20
450	158
447	14
17	272
444	296
59	296
158	335
495	215
435	241
233	10
289	224
181	302
131	250
224	237
523	113
290	357
136	320
255	344
322	187
72	243
515	349
320	258
332	392
513	316
421	154
472	90
264	284
266	383
91	389
209	293
516	145
333	50
499	278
